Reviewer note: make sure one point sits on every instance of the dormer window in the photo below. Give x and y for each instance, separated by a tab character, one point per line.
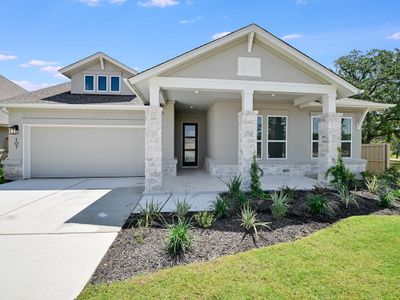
89	83
102	83
115	83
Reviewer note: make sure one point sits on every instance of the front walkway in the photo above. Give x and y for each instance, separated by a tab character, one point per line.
54	232
200	189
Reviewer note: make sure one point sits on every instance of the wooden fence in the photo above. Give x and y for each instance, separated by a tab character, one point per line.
378	157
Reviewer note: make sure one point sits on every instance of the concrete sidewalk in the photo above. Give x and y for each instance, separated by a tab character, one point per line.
54	232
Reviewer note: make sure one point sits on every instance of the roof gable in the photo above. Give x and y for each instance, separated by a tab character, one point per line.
9	89
345	89
93	59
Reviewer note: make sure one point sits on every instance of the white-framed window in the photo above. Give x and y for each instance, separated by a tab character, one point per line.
314	136
115	83
88	83
259	137
346	142
102	83
277	137
346	136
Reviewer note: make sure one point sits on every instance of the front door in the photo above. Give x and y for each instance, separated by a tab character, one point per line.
190	142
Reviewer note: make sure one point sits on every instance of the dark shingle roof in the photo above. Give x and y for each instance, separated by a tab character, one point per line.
61	94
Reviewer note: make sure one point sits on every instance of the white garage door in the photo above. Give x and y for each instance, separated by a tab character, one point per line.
87	152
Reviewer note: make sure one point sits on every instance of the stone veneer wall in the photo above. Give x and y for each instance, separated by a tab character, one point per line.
12	169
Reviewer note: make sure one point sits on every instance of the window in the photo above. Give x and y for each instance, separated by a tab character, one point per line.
102	83
314	137
259	136
346	129
277	137
346	137
89	83
115	83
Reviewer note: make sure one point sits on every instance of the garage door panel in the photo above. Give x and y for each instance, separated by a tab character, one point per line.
87	152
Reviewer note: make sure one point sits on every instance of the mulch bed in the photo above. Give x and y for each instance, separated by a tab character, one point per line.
136	251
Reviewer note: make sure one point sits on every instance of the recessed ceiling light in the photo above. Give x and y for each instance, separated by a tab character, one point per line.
273	95
196	92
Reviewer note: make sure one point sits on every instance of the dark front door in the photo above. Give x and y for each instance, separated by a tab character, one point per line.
190	136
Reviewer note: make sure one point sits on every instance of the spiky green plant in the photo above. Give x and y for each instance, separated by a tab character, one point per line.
150	212
280	204
372	183
204	219
182	208
319	204
220	206
249	221
179	237
387	197
346	197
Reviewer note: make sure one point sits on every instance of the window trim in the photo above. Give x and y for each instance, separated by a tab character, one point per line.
119	86
278	141
84	83
97	83
351	137
341	141
312	140
262	134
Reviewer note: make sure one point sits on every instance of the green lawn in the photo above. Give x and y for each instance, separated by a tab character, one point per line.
357	258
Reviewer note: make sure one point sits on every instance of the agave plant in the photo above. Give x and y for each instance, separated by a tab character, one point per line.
249	221
280	204
346	197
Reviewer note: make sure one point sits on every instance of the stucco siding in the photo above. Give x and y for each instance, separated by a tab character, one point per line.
274	67
168	130
77	79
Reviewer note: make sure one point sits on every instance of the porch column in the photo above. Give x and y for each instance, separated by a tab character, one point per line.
247	136
329	136
153	143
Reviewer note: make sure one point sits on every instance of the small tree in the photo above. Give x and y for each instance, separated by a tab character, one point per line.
255	173
341	176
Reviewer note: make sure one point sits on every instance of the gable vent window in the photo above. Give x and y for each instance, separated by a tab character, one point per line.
89	83
115	83
102	83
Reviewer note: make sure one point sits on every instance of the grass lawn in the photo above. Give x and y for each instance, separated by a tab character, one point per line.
357	258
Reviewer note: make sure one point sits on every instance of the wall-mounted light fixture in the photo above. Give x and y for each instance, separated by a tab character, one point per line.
13	130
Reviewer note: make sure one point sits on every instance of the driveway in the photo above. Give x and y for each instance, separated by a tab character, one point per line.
54	232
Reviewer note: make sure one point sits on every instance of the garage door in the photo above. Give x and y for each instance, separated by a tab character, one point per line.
87	152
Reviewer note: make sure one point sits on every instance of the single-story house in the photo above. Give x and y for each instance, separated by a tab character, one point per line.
7	89
214	107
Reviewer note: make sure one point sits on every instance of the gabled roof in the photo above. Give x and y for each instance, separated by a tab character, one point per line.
60	94
80	64
9	89
346	89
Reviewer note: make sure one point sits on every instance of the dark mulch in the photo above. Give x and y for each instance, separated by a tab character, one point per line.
136	251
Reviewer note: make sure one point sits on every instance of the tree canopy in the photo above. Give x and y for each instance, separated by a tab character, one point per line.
377	72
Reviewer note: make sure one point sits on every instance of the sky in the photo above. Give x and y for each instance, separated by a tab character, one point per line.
37	37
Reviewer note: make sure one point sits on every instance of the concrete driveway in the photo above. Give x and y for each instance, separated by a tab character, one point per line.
54	232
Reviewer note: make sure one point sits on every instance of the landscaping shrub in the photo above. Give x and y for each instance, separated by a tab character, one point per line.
346	197
204	219
289	192
249	221
341	176
2	180
182	208
220	207
150	213
372	183
391	177
280	204
387	197
255	185
319	204
235	192
179	237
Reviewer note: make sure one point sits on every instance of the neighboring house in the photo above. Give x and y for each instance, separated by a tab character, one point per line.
211	108
7	89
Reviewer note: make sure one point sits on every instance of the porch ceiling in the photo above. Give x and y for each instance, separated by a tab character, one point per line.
201	100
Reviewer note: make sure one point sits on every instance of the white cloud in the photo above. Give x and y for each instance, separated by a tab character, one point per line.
301	2
292	36
53	70
90	2
190	21
117	1
7	57
39	63
394	36
158	3
31	86
220	34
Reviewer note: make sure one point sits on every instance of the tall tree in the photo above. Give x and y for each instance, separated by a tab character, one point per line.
377	72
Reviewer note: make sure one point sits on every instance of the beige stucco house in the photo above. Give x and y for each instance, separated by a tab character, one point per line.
213	108
7	89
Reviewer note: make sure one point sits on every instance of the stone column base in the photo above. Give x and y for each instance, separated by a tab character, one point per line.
12	169
247	143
